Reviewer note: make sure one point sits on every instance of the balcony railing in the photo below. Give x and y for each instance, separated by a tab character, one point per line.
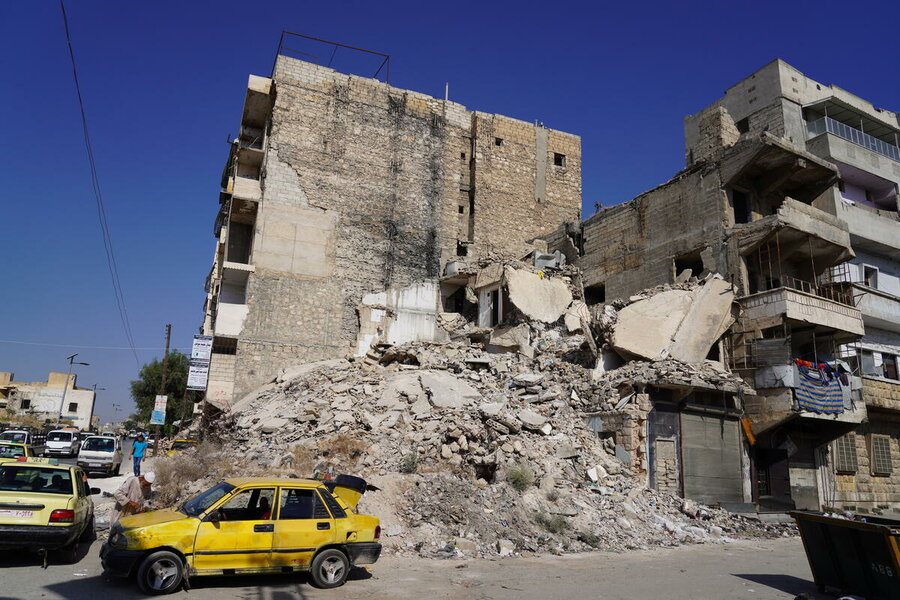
835	291
851	134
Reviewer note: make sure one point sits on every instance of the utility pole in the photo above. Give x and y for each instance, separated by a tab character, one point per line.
62	404
162	385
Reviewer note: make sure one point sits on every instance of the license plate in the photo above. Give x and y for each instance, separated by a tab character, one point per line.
95	465
17	514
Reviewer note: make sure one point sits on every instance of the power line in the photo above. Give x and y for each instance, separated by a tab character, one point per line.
101	208
79	346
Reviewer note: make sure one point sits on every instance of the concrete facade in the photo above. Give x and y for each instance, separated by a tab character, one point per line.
43	400
341	187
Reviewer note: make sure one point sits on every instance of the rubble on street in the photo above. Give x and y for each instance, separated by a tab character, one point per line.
482	453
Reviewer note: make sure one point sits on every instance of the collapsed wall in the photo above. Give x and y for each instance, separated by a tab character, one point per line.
480	447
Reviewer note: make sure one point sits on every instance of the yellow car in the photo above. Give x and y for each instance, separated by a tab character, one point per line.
248	525
179	445
11	451
45	506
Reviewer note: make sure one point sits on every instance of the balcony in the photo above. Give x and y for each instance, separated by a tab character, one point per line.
230	319
881	393
880	309
828	306
872	230
851	134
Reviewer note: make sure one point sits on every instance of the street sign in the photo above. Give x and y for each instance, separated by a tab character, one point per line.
202	348
198	372
158	416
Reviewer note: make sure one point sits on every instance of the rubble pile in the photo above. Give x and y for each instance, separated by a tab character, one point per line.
475	452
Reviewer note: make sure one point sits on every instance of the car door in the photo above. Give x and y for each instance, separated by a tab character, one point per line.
236	533
303	525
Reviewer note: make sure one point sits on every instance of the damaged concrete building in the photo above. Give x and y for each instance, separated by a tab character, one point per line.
790	194
344	198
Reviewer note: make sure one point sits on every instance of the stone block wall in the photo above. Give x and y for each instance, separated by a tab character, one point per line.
881	393
863	491
632	246
367	187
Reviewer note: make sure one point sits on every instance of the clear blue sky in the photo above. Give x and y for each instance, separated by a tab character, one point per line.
163	83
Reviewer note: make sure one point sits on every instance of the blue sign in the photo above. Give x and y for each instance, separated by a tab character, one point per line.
158	417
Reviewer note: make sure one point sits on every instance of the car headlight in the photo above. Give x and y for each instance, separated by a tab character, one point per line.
117	539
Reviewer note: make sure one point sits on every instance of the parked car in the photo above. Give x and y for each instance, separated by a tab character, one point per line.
248	525
100	454
23	436
45	506
179	445
62	442
10	451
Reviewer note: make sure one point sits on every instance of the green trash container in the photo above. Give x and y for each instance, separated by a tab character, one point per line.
860	557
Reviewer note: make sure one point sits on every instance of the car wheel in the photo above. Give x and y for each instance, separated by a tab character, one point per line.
160	573
69	554
90	533
329	569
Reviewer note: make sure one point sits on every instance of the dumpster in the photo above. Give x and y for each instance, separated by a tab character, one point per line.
858	556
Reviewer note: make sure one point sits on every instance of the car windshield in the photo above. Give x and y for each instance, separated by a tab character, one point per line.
199	503
10	451
11	436
182	445
35	479
59	436
98	444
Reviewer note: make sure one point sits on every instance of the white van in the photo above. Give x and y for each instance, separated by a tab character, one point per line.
101	453
62	442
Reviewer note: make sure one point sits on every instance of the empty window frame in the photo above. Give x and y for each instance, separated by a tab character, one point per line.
880	453
845	460
25	403
498	141
743	126
559	159
73	407
740	203
870	276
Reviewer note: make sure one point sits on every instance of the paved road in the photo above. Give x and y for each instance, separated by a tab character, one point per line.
758	570
126	460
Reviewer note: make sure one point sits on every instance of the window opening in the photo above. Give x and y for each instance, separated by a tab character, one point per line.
743	126
301	504
845	460
880	451
498	141
740	202
73	407
870	276
249	505
559	159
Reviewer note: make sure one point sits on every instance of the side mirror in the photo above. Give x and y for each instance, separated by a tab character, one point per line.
95	491
213	517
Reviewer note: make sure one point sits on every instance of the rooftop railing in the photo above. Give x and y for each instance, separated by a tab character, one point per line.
852	134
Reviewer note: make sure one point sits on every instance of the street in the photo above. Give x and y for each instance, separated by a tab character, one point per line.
770	569
126	460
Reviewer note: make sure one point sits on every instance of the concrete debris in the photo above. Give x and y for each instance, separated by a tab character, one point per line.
539	298
677	323
476	451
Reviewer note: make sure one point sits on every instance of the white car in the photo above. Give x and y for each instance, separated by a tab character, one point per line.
100	453
62	442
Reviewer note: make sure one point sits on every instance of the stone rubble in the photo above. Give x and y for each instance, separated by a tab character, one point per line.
478	453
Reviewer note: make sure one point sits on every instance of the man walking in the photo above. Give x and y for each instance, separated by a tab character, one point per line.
138	447
132	496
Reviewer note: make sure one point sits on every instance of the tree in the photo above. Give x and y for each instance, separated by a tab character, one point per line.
145	389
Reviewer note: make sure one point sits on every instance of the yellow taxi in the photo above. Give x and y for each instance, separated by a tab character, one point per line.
179	445
45	506
11	451
246	526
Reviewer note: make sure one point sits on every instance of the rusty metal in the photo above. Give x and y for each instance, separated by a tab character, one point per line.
385	64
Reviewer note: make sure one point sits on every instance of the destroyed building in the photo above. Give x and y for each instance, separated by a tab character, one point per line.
343	198
789	200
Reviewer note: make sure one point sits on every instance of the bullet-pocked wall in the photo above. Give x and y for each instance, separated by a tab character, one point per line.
365	187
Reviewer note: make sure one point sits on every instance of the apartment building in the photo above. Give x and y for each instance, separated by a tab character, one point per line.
798	210
861	470
42	401
342	188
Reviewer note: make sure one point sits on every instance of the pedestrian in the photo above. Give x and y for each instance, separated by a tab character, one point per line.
132	496
138	449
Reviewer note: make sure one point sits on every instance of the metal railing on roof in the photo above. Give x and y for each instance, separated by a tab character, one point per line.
852	134
286	36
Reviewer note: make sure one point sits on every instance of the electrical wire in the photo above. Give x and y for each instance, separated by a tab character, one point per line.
78	346
101	208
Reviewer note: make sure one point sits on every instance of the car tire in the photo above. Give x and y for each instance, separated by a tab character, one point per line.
90	533
329	569
69	554
160	573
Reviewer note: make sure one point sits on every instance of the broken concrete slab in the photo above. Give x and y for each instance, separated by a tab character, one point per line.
511	339
531	419
539	298
446	391
527	379
576	315
682	324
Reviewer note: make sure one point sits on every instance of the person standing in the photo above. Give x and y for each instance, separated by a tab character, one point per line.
132	496
138	448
